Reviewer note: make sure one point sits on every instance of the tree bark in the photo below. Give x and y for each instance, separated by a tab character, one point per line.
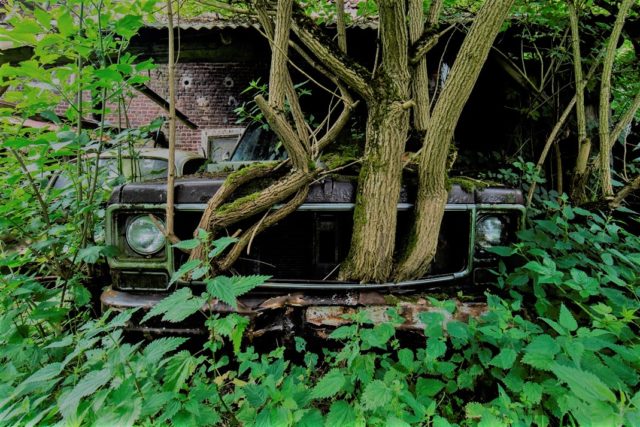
370	257
578	194
605	101
432	192
171	167
420	78
632	186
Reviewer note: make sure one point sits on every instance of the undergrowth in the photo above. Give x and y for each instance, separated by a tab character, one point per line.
558	344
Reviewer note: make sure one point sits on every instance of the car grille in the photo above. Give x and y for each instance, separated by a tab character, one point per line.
309	246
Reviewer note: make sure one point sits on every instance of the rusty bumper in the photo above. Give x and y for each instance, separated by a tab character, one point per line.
324	311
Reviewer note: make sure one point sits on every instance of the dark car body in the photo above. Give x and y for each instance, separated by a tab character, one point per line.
302	253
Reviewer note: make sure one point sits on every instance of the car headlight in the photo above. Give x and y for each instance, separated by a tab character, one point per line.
143	236
489	231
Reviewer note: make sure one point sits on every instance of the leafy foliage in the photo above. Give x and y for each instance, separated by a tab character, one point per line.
557	345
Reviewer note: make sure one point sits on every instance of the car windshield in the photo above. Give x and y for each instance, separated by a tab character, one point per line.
113	170
258	143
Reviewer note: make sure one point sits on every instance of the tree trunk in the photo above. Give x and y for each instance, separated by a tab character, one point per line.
370	257
605	103
171	168
578	194
432	192
373	241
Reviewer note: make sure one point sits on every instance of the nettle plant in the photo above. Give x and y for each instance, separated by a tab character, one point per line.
64	82
558	344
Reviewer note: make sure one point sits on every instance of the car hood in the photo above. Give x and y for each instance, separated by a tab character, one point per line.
200	190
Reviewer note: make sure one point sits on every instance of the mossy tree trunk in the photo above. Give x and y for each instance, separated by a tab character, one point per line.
373	240
606	138
432	191
397	88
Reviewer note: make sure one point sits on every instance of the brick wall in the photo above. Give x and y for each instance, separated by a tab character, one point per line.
207	93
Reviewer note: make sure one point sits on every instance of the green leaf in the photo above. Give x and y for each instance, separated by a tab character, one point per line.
43	17
607	258
428	387
128	25
179	368
439	421
91	254
221	288
329	385
343	332
502	250
243	284
541	352
187	244
200	272
504	359
341	414
65	25
65	342
109	75
44	374
156	350
378	336
396	422
256	394
436	348
458	330
219	245
375	395
185	269
89	384
532	392
313	418
584	384
176	307
405	357
566	319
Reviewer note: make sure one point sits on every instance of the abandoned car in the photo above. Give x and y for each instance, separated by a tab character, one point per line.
302	252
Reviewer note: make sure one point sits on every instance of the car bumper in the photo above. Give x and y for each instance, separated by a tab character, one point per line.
297	310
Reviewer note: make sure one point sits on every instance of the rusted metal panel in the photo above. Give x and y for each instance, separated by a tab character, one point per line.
334	316
318	310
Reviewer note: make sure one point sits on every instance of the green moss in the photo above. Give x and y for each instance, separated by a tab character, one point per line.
469	185
249	169
237	203
336	160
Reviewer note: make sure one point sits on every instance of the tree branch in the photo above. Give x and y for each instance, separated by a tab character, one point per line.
625	192
171	168
279	124
280	46
281	190
420	80
624	121
340	26
270	219
338	125
427	41
547	146
291	95
354	75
